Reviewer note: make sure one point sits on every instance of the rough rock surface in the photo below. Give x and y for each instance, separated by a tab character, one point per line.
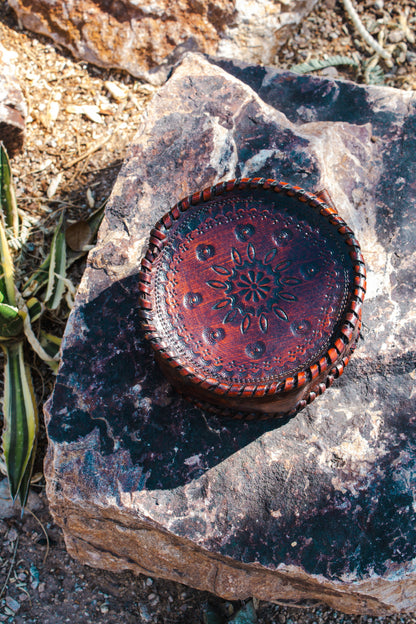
320	508
12	104
137	36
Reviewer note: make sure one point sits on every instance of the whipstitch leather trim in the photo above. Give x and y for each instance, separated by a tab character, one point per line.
352	317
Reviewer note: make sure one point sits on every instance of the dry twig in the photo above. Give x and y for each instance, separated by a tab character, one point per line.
88	152
3	589
44	531
364	32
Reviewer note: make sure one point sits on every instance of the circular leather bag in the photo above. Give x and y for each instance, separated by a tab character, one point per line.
251	295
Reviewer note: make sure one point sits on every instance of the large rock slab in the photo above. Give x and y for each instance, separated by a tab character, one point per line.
137	36
319	508
12	104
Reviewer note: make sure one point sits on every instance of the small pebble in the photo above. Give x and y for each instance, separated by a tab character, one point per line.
12	604
149	581
34	572
330	72
396	35
145	614
12	535
104	609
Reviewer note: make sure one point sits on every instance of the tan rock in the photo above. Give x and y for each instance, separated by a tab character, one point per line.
137	36
12	105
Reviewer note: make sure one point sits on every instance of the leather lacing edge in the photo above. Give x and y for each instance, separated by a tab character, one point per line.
334	373
351	321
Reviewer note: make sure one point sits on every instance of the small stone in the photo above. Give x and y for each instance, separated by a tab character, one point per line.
145	614
12	535
149	581
41	588
34	573
330	72
104	609
395	36
7	508
12	604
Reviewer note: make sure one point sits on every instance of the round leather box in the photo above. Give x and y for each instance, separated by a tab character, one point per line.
251	295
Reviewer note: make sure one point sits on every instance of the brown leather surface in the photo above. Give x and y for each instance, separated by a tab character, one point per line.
248	288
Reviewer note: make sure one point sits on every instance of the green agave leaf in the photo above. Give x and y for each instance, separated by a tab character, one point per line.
8	202
20	416
35	309
57	269
51	344
8	312
25	484
38	279
11	323
42	275
7	269
316	64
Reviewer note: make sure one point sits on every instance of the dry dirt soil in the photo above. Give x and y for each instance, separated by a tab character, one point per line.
69	163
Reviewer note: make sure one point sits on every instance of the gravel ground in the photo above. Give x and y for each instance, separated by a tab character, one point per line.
78	129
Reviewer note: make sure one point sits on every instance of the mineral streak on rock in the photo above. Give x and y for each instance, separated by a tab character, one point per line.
319	508
137	36
12	105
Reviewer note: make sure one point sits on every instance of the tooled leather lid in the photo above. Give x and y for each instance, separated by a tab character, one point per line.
247	286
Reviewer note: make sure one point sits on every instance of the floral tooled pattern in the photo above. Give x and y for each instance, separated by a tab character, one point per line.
253	288
248	327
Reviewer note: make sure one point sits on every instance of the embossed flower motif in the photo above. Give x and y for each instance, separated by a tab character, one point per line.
254	285
253	288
